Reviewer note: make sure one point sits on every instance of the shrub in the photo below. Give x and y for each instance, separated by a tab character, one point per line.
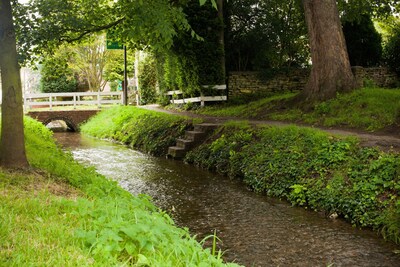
148	80
57	77
392	50
364	43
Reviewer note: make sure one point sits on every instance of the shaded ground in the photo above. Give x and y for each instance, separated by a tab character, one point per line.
387	140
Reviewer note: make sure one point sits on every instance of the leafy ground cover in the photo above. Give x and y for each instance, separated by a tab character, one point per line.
369	109
149	131
63	214
312	169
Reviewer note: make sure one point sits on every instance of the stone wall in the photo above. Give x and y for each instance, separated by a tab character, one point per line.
251	82
381	77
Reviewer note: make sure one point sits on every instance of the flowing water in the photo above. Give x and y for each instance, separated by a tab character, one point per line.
254	230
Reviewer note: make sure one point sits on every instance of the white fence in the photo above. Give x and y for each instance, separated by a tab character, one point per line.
50	100
175	96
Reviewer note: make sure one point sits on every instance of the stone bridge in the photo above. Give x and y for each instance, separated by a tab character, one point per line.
73	118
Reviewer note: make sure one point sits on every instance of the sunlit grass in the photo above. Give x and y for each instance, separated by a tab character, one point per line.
248	110
369	109
60	213
36	225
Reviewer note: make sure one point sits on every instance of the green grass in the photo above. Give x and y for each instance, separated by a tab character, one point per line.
149	131
63	214
248	110
368	109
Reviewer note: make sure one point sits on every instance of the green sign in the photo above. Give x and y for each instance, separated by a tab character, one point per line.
114	45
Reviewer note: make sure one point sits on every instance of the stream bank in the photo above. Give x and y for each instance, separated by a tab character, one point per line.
254	230
308	167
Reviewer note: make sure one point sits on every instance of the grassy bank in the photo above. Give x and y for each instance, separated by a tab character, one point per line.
307	167
148	131
369	109
312	169
63	214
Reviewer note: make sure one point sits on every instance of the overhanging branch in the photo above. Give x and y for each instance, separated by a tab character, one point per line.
68	39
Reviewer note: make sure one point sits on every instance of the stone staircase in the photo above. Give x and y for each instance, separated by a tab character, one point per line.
191	140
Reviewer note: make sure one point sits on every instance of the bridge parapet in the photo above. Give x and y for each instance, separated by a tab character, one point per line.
50	100
73	118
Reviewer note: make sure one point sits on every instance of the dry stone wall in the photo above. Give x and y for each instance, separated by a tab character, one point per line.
251	82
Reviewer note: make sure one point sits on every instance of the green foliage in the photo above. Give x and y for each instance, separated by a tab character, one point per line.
353	10
148	80
364	43
114	68
57	77
192	62
137	128
311	169
137	24
276	38
46	222
203	56
392	49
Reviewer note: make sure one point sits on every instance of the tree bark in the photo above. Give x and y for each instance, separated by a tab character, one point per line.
331	71
12	143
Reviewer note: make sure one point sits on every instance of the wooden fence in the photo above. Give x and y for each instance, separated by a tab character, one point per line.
176	96
50	100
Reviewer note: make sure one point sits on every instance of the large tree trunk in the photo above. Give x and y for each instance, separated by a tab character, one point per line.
331	71
12	144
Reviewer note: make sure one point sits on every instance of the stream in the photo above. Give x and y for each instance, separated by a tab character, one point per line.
254	230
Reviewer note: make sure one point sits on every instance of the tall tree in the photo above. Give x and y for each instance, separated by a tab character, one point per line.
89	61
331	71
12	144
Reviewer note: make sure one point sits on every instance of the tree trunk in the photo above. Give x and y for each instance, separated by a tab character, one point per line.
331	71
12	144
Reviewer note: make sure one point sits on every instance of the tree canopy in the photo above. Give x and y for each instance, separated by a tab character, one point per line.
43	24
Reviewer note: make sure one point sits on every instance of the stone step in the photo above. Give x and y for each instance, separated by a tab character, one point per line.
205	127
194	135
176	152
191	140
184	143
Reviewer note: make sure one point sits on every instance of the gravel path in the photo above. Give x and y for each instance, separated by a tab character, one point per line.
386	142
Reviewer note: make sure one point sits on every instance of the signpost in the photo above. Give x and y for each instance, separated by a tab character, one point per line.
114	45
111	45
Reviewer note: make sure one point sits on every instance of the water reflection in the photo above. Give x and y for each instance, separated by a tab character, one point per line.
255	230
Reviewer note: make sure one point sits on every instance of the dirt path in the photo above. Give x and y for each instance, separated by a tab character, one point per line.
386	142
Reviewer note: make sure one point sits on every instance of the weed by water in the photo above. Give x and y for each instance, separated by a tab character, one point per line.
313	169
